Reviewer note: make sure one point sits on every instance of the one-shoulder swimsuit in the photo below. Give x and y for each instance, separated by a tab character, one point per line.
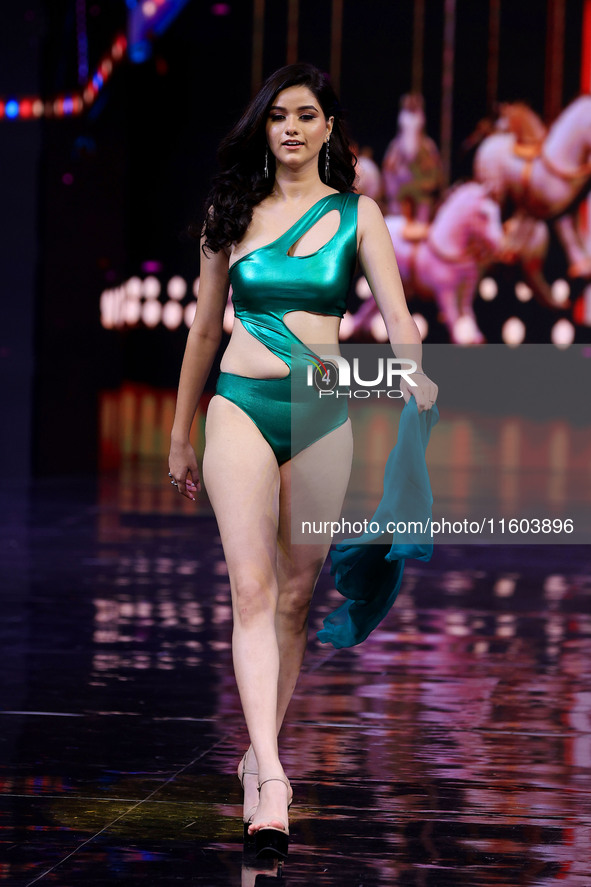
269	283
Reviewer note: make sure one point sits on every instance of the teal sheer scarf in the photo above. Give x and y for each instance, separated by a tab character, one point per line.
368	571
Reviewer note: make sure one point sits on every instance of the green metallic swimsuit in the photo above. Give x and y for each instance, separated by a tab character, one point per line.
267	284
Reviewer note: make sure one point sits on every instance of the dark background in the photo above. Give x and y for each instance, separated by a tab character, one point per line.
139	162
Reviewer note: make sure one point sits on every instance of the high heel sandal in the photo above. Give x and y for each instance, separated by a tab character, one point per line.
244	772
272	842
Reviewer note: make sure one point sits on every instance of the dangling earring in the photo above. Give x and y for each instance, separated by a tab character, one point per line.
266	163
327	162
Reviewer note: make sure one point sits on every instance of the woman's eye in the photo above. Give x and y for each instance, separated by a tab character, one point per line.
307	117
276	117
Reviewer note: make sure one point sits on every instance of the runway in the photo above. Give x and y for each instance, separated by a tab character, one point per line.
452	748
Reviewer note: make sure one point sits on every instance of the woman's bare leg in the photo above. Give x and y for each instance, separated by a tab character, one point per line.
313	487
242	479
272	579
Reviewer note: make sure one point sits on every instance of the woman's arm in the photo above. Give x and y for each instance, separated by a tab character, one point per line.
202	344
376	255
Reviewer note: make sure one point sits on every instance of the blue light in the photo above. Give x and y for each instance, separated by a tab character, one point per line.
140	51
97	80
68	105
11	108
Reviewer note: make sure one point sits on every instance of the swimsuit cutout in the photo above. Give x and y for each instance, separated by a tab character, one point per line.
267	284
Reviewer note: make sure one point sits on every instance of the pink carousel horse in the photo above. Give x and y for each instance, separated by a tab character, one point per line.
542	173
447	263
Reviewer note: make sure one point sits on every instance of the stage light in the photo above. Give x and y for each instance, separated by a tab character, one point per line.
77	104
347	326
177	287
26	108
151	313
58	107
149	8
560	291
228	321
106	67
37	108
220	9
422	325
523	292
465	331
172	315
132	311
151	287
196	287
11	109
513	331
1	109
88	95
133	288
190	313
488	289
152	266
378	328
67	178
362	288
563	333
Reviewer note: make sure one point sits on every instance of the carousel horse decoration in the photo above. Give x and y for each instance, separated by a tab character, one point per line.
447	263
542	173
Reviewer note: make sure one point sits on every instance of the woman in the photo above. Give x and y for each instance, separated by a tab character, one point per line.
284	228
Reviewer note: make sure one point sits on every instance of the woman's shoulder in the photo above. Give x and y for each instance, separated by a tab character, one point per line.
368	210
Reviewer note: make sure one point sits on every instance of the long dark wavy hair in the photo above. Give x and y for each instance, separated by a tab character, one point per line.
241	184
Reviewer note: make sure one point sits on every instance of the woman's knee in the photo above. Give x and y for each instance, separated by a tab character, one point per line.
254	597
295	597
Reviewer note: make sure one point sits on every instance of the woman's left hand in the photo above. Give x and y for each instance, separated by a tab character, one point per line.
424	391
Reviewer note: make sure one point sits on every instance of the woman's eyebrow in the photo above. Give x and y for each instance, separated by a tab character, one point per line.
301	108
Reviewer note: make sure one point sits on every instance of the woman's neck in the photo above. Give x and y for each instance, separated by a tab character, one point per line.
294	186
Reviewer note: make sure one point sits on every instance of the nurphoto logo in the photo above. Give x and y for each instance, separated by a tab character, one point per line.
331	375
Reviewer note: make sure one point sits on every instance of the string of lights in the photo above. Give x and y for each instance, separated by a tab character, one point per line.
70	104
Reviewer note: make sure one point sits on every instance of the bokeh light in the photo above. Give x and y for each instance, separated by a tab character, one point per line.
563	333
190	313
362	288
513	331
422	324
172	315
151	287
523	292
177	287
152	313
488	289
560	291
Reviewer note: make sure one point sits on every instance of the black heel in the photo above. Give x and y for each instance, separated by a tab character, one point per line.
272	843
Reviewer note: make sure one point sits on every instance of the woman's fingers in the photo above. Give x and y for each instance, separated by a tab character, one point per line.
186	480
424	392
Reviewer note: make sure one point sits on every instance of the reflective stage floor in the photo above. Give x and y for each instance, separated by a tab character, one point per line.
452	748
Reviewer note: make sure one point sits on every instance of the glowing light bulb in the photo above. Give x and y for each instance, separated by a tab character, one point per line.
151	313
172	315
378	328
190	313
177	287
523	292
362	288
562	333
422	325
513	331
488	289
560	291
151	287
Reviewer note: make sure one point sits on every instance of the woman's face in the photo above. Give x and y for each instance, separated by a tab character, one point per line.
296	127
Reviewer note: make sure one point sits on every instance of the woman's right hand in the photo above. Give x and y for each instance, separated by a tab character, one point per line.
182	465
